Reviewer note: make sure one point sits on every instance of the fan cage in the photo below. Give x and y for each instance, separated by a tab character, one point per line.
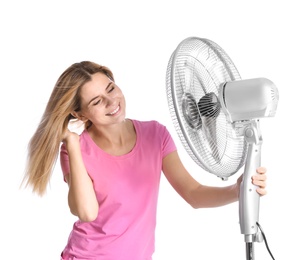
199	67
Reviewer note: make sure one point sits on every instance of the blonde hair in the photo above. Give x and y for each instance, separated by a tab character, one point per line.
43	148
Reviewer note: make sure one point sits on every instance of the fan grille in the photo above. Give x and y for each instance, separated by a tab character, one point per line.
196	70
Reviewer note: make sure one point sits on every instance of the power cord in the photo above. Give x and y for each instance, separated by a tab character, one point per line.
264	238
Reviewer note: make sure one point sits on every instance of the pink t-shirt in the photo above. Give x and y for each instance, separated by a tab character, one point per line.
127	191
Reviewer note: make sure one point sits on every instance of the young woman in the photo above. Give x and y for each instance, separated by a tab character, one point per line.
112	168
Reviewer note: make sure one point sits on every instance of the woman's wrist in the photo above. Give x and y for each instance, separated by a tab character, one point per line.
237	186
72	141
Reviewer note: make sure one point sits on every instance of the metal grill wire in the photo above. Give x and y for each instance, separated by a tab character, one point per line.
198	67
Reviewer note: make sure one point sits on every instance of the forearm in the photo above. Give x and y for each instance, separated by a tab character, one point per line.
81	197
209	197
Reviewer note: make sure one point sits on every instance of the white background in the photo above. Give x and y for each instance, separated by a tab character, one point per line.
40	39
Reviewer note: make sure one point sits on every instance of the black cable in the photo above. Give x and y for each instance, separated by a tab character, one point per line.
264	238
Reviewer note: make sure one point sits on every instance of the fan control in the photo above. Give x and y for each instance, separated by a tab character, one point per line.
249	132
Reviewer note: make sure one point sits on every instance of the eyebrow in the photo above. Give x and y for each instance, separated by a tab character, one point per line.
98	95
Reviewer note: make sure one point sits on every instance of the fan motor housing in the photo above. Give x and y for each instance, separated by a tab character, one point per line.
249	99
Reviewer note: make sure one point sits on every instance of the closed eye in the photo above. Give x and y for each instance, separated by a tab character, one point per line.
111	88
97	102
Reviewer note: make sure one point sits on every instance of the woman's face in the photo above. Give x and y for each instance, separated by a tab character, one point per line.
102	101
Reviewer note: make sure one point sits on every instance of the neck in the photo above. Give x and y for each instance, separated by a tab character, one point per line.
115	139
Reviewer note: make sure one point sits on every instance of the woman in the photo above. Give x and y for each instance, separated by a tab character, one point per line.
112	168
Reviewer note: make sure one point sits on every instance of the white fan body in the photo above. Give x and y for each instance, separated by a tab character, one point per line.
216	115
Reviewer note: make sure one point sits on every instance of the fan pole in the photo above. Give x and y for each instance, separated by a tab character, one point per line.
249	198
249	251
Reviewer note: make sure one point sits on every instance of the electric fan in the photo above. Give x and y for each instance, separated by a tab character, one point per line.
216	115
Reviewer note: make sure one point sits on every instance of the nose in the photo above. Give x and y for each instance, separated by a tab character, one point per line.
109	101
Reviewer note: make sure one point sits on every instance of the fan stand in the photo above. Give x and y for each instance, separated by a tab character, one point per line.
249	198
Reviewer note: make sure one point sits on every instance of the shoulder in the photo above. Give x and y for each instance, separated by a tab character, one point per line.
152	124
151	127
151	130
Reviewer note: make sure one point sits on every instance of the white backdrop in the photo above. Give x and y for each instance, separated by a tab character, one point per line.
40	39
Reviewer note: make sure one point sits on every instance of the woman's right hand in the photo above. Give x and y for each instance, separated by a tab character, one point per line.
69	136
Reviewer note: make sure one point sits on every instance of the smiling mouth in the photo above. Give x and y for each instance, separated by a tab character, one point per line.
114	112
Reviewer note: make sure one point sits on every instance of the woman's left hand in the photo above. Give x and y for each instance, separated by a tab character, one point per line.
259	179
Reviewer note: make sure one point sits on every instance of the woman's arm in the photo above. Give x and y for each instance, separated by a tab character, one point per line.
81	197
201	196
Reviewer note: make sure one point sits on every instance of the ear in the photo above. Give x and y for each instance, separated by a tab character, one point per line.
79	116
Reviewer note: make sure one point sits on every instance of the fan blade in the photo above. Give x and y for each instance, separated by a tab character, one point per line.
209	108
190	111
209	105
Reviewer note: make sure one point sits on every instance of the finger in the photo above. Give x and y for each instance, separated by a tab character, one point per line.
261	170
259	177
261	192
261	184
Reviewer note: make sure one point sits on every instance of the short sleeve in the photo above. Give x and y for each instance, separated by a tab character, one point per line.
64	160
168	145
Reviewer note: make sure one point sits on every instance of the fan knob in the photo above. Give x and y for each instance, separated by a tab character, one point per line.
249	132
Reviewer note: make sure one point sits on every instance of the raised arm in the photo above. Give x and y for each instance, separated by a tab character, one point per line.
81	197
201	196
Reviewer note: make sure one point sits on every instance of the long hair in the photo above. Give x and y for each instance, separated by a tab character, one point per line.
43	148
